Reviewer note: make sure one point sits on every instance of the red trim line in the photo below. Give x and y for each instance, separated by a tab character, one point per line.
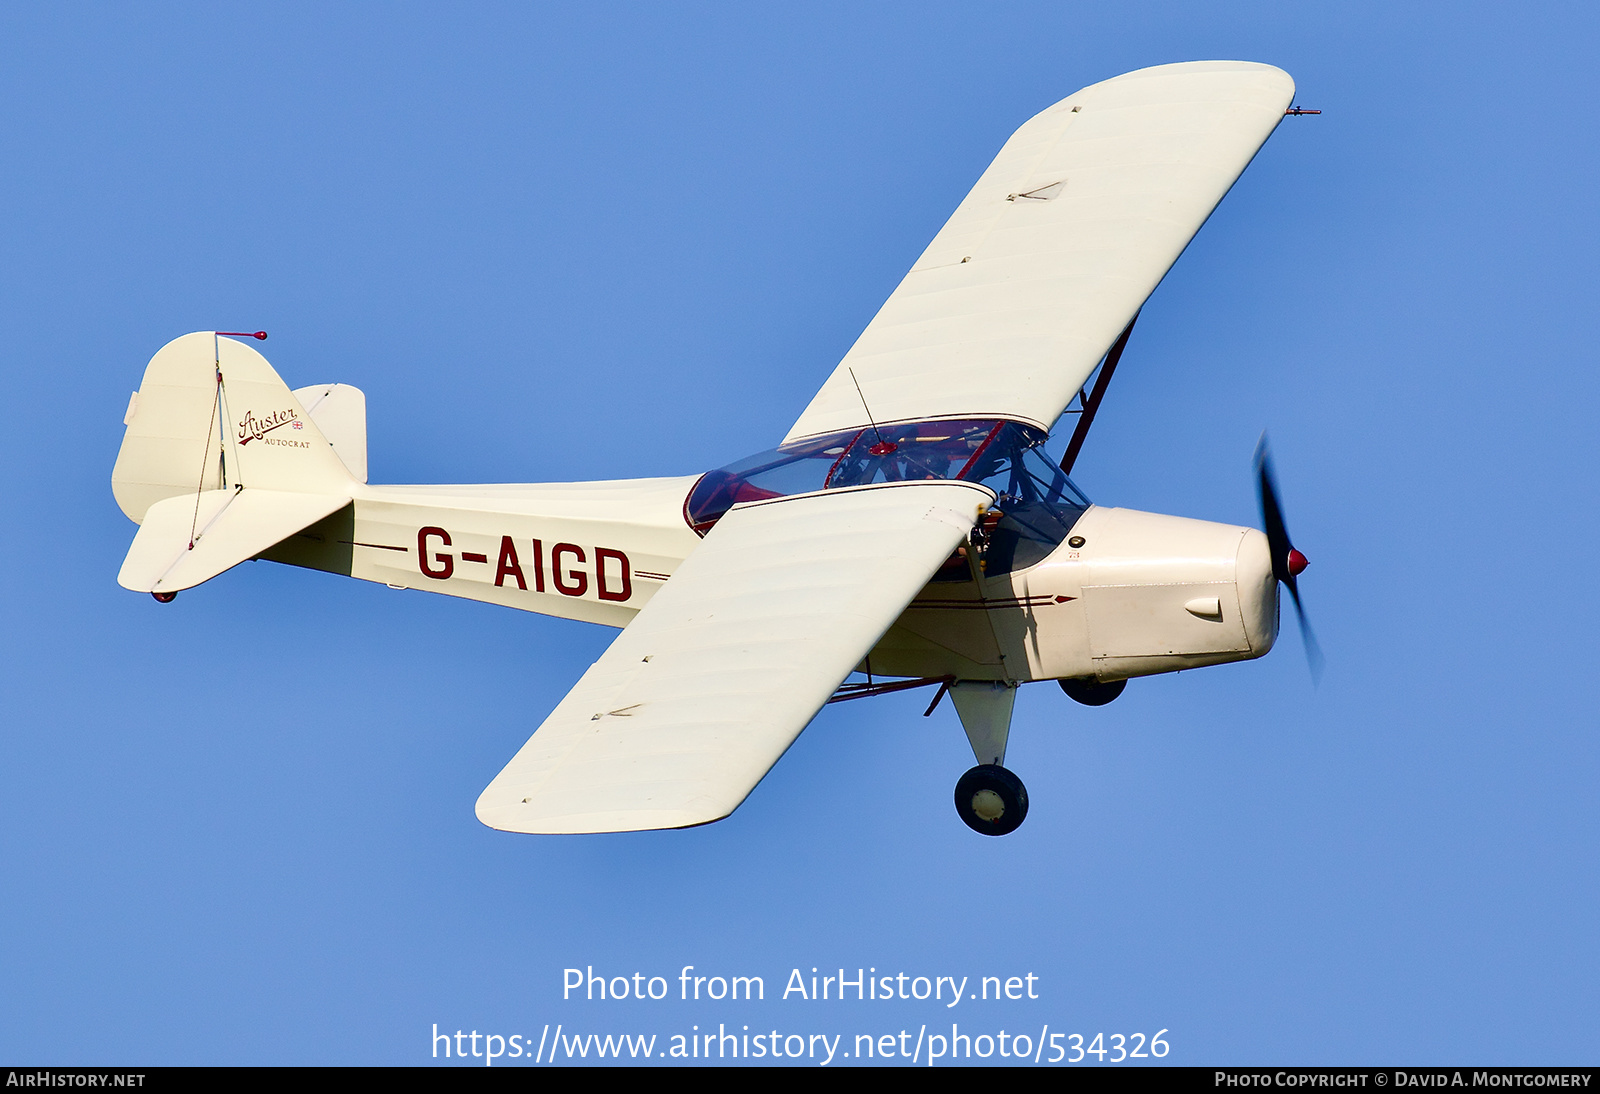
695	528
1040	601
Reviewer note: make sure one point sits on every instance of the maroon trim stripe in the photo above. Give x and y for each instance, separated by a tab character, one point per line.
1039	601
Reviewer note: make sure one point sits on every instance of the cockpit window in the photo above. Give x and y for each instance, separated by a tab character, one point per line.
936	450
1037	503
901	453
1036	507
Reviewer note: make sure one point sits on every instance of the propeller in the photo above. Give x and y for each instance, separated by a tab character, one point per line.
1287	563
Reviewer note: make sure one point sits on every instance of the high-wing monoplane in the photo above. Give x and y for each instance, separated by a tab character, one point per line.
909	527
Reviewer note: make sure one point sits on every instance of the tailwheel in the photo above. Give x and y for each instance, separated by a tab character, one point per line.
991	800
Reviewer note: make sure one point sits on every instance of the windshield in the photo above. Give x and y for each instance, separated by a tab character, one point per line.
1036	507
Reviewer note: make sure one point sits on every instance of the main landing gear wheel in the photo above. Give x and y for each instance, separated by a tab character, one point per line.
1091	692
991	800
165	598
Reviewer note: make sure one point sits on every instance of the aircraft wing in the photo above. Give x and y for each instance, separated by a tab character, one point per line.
713	680
1049	257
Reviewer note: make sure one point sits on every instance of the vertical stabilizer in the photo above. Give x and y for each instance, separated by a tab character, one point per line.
211	414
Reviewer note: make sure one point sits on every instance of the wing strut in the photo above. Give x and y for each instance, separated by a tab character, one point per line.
1091	403
866	691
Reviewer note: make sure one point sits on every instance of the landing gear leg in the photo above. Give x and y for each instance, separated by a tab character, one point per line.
989	799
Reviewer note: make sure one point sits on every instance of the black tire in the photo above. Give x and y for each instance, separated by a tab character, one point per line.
1091	692
991	800
165	598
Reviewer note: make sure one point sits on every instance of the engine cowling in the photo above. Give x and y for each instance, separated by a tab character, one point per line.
1155	593
1126	593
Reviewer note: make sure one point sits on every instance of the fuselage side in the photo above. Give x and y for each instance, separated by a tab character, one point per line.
1129	594
594	551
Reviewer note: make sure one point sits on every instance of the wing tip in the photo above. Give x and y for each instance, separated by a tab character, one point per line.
526	818
1175	67
1257	69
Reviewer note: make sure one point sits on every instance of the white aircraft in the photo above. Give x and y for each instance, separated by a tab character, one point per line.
909	526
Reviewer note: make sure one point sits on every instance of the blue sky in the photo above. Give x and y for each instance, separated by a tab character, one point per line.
555	244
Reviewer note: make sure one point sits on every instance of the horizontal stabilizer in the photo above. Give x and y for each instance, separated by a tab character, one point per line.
192	538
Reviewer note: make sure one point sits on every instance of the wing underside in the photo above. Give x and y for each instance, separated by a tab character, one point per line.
709	685
1055	249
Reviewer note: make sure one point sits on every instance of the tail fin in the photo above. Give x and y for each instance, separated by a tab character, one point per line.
211	414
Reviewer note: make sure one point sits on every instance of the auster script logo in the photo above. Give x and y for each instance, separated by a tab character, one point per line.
253	428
